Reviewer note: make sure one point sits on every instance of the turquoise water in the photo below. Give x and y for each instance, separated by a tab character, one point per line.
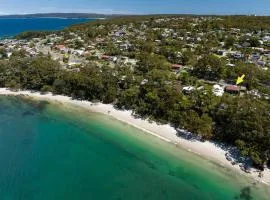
50	151
12	27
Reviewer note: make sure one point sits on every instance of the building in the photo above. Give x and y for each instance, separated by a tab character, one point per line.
188	89
62	48
176	67
234	89
218	90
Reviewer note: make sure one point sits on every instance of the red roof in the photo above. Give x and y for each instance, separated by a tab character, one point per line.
176	66
105	56
232	88
60	46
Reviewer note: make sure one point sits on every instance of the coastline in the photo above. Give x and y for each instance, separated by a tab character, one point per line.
207	150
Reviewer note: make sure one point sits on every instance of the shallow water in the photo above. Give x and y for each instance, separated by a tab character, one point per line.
48	151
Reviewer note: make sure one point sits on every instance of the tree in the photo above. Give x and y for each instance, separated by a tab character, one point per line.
244	121
58	86
188	58
46	88
251	73
78	44
3	53
41	71
148	47
201	126
210	67
19	54
112	50
147	62
254	42
13	84
205	129
229	42
128	98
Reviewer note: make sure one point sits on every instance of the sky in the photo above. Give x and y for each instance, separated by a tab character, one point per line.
258	7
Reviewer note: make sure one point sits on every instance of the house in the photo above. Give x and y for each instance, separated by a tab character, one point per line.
109	58
144	81
237	55
230	65
61	48
78	52
246	44
105	57
113	58
74	62
91	47
261	62
234	89
221	52
176	67
255	93
255	56
9	54
120	33
218	90
188	89
126	60
266	39
86	53
32	53
124	47
132	61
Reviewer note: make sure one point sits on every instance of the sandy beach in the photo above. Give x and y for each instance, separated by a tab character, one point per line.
167	133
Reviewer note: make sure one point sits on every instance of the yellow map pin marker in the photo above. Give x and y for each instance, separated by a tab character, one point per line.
240	79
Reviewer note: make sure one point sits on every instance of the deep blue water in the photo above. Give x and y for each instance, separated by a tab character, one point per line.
12	27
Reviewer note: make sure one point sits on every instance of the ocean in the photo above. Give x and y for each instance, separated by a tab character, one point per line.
51	151
12	27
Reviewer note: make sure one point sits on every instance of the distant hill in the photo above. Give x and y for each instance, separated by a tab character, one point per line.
60	15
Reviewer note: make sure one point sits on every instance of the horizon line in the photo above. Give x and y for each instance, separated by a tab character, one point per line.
133	14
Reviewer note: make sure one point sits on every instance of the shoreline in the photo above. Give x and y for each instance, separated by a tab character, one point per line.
207	150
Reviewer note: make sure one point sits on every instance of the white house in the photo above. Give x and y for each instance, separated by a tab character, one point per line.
218	90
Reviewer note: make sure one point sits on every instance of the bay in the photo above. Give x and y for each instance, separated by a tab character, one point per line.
14	26
53	151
